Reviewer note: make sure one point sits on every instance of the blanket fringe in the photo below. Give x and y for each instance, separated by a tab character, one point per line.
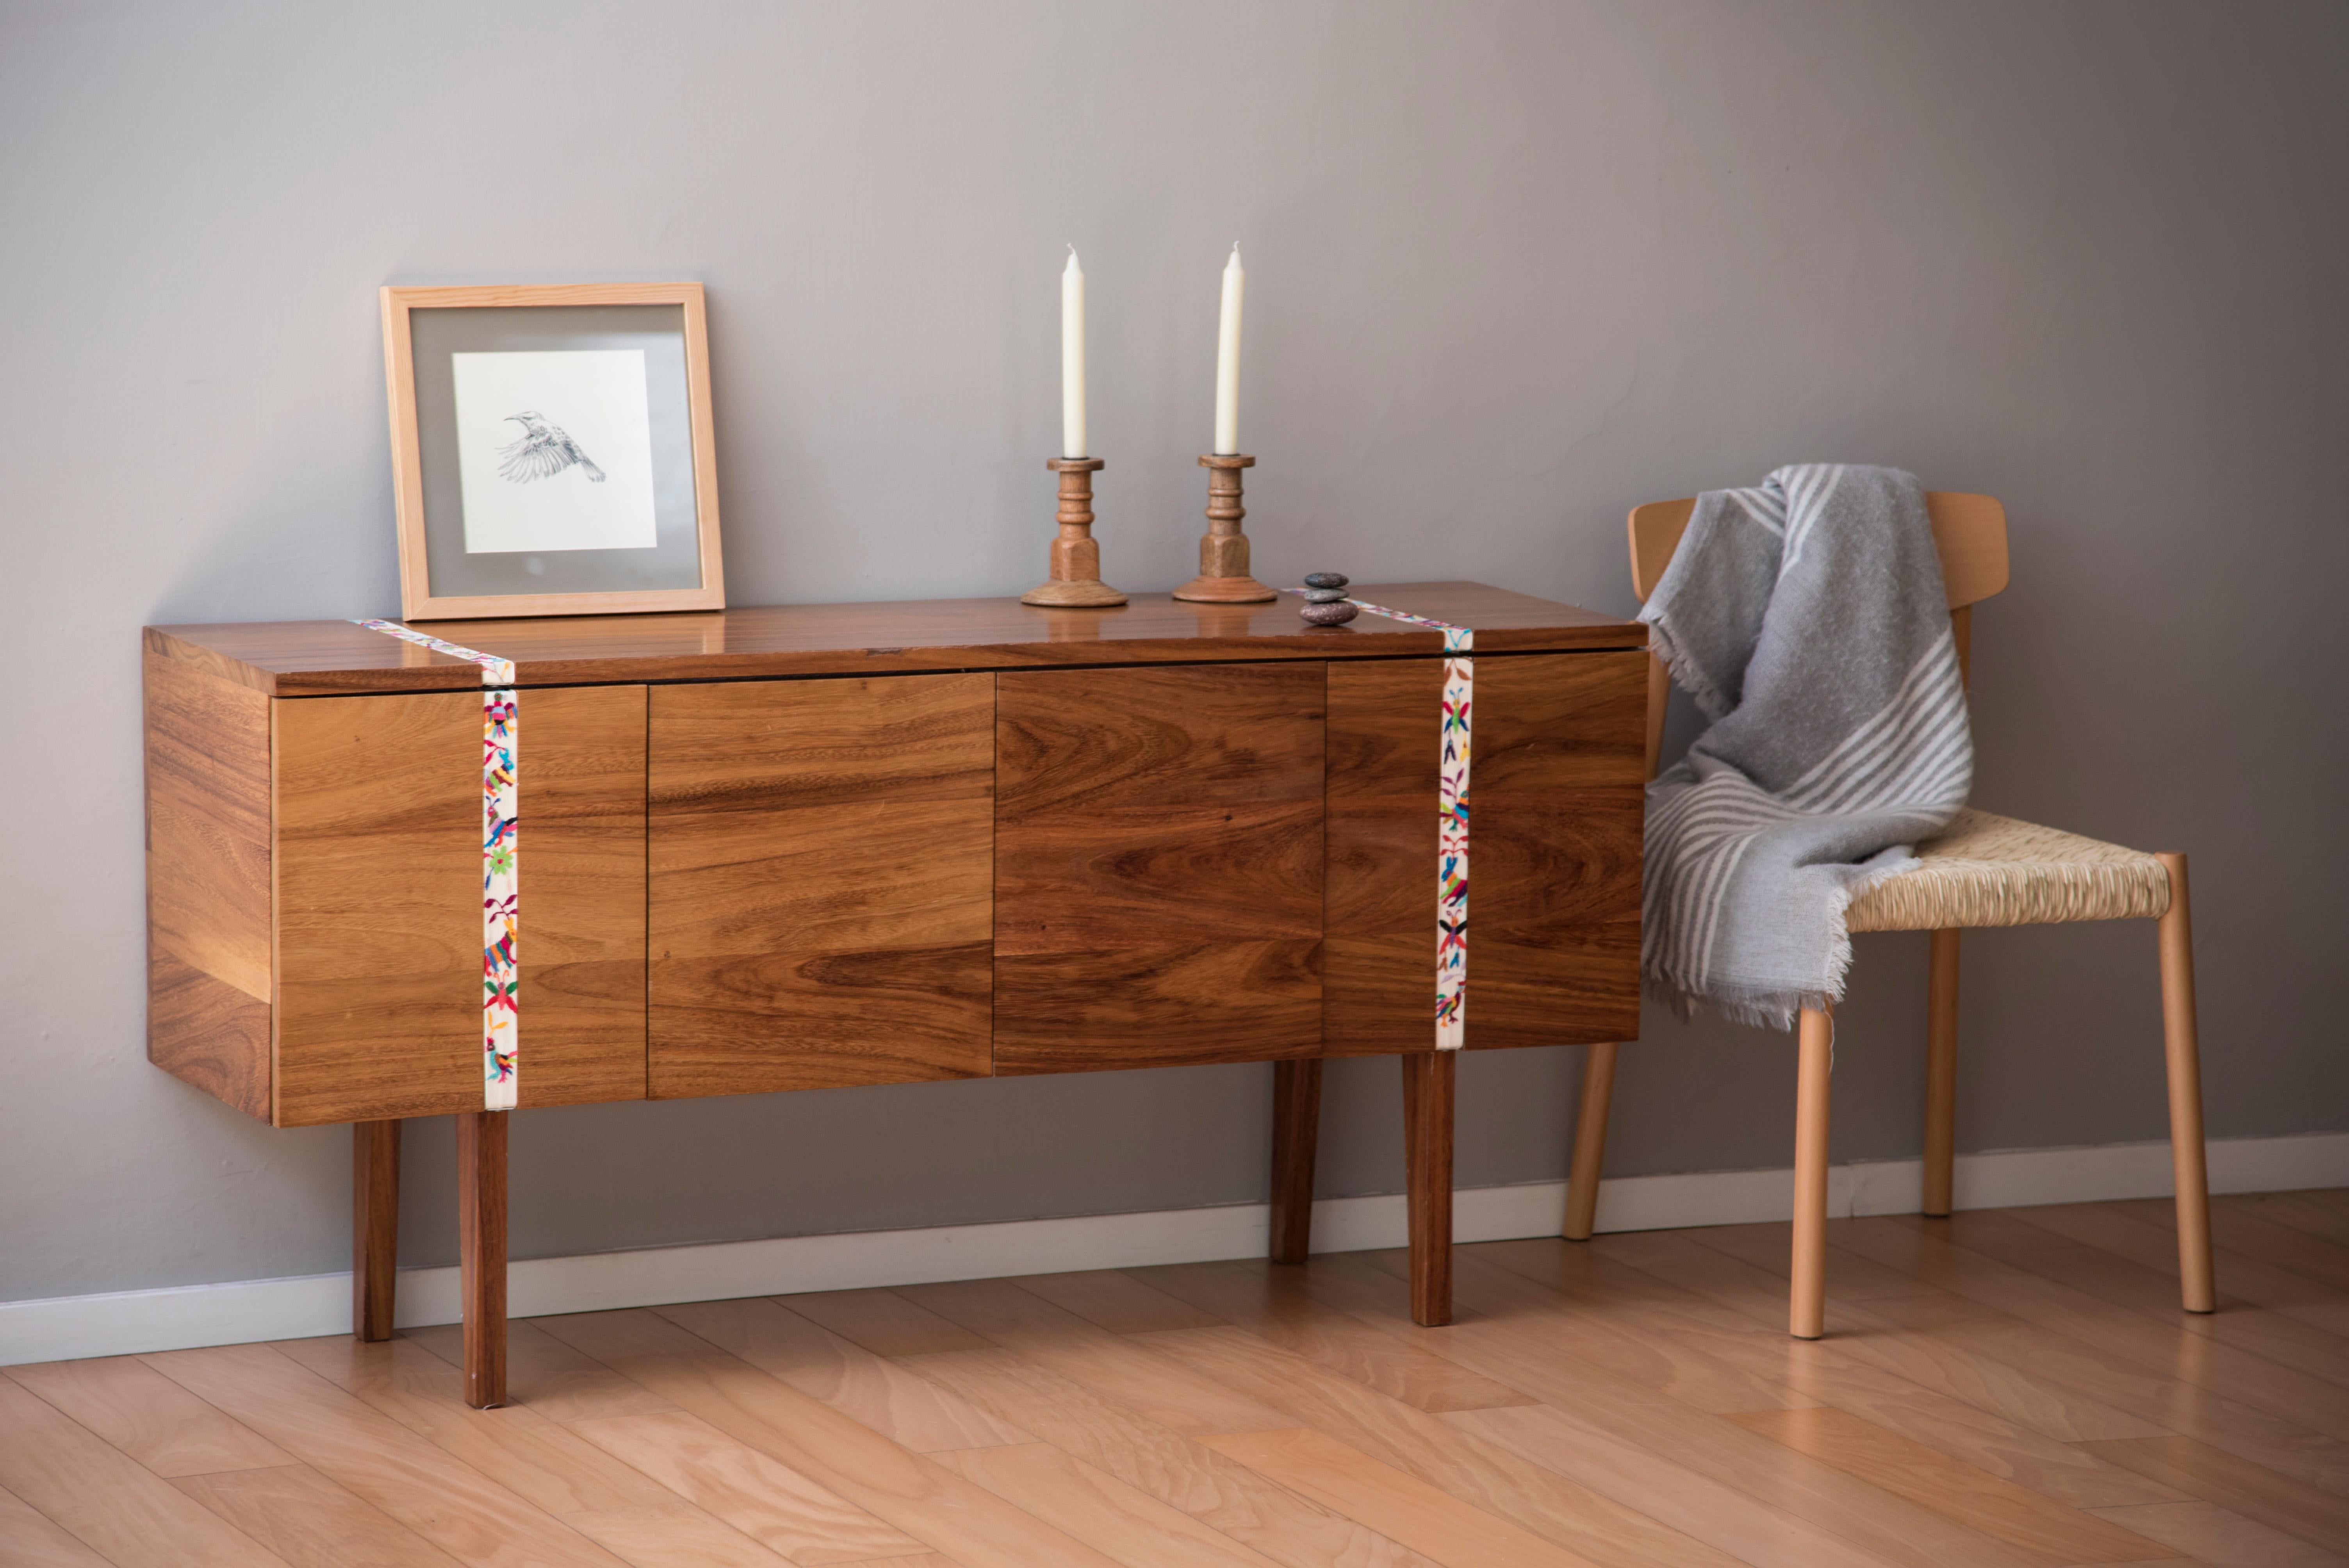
1663	641
1776	1009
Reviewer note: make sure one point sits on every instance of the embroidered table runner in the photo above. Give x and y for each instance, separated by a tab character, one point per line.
1451	827
500	866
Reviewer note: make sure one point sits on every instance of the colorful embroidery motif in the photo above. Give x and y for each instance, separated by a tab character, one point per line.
501	864
1451	828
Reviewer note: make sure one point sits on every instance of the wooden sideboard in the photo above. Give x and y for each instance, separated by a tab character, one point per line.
810	846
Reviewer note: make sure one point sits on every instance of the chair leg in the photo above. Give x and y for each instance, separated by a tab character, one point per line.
2198	1289
1941	1075
1296	1127
1806	1301
1590	1141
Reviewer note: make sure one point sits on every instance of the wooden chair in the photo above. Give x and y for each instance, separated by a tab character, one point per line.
1984	870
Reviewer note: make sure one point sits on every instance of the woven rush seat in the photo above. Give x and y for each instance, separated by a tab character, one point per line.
1995	871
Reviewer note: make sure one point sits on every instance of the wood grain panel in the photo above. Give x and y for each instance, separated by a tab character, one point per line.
305	1518
1631	1403
1394	1503
149	1417
1455	1463
430	1491
773	1505
546	1374
1505	1335
909	1412
1177	1470
883	1322
2251	1490
1557	796
1114	1365
208	891
378	858
1098	1508
1275	1305
36	1541
1118	1301
123	1509
924	1499
1158	867
822	876
2212	1535
583	902
378	863
1740	1523
208	1032
2014	1514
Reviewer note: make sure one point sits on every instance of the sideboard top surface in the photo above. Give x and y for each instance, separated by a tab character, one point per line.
318	658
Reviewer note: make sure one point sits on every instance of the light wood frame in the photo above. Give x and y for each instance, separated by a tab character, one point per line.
417	602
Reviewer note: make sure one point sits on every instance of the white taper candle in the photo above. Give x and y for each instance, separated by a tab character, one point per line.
1073	358
1228	360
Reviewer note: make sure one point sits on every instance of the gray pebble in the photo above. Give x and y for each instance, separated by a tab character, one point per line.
1324	596
1335	613
1325	580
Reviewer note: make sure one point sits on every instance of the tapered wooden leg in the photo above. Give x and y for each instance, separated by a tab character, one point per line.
1427	1181
1590	1141
1941	1075
1806	1302
2197	1287
375	1226
1296	1127
481	1245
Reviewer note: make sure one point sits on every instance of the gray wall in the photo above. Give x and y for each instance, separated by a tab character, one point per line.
1512	269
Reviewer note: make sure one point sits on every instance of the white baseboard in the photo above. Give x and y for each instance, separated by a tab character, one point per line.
134	1322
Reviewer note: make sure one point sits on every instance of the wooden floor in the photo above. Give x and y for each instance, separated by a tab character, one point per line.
2008	1390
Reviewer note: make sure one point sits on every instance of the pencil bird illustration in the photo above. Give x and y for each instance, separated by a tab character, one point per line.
543	451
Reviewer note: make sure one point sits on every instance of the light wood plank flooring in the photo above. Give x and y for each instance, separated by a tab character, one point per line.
2008	1390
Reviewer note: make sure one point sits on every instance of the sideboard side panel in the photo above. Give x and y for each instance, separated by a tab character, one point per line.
822	882
1158	866
208	953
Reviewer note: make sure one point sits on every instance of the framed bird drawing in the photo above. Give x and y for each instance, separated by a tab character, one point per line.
550	450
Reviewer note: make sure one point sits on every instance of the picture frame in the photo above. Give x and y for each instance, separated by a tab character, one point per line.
551	449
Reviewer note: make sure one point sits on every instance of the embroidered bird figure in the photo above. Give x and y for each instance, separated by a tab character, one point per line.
543	451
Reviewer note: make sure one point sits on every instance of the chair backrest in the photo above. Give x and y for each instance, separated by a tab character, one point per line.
1969	533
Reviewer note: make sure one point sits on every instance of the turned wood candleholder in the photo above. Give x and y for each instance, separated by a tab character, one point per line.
1223	576
1074	575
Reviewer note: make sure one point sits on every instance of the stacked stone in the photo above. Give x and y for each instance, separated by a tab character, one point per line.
1326	604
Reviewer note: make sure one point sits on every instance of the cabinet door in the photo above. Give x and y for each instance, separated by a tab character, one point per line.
820	882
1555	798
377	849
1158	866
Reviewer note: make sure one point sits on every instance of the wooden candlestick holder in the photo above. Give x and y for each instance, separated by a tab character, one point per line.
1074	575
1223	576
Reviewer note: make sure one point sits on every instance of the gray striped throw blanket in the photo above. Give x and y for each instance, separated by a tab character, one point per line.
1806	618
